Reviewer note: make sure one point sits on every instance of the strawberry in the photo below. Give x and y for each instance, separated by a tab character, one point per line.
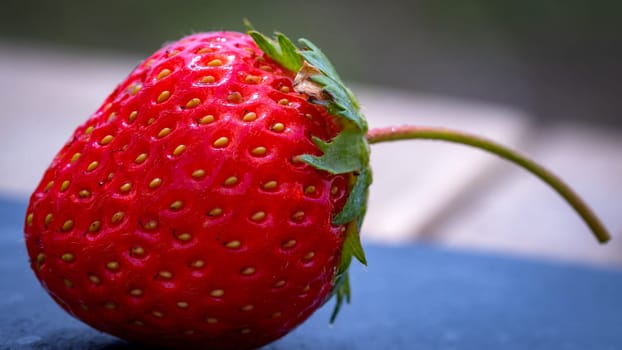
215	198
199	204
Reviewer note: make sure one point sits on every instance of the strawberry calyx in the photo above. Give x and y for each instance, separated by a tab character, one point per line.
346	153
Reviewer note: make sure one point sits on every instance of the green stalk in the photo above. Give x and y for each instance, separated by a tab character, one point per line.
432	133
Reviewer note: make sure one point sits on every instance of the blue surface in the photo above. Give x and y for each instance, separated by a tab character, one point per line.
411	297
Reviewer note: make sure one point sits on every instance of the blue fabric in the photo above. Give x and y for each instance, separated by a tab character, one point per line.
412	297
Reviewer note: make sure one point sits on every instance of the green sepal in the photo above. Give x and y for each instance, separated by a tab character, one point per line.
283	51
341	291
357	201
342	101
316	58
351	248
345	153
248	25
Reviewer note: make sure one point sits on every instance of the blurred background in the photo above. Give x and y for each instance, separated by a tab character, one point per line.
554	59
543	76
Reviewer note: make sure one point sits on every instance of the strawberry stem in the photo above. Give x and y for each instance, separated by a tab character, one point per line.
434	133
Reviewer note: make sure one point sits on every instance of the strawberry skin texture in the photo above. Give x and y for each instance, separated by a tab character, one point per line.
178	214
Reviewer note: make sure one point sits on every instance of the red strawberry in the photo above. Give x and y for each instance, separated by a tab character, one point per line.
215	198
184	212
